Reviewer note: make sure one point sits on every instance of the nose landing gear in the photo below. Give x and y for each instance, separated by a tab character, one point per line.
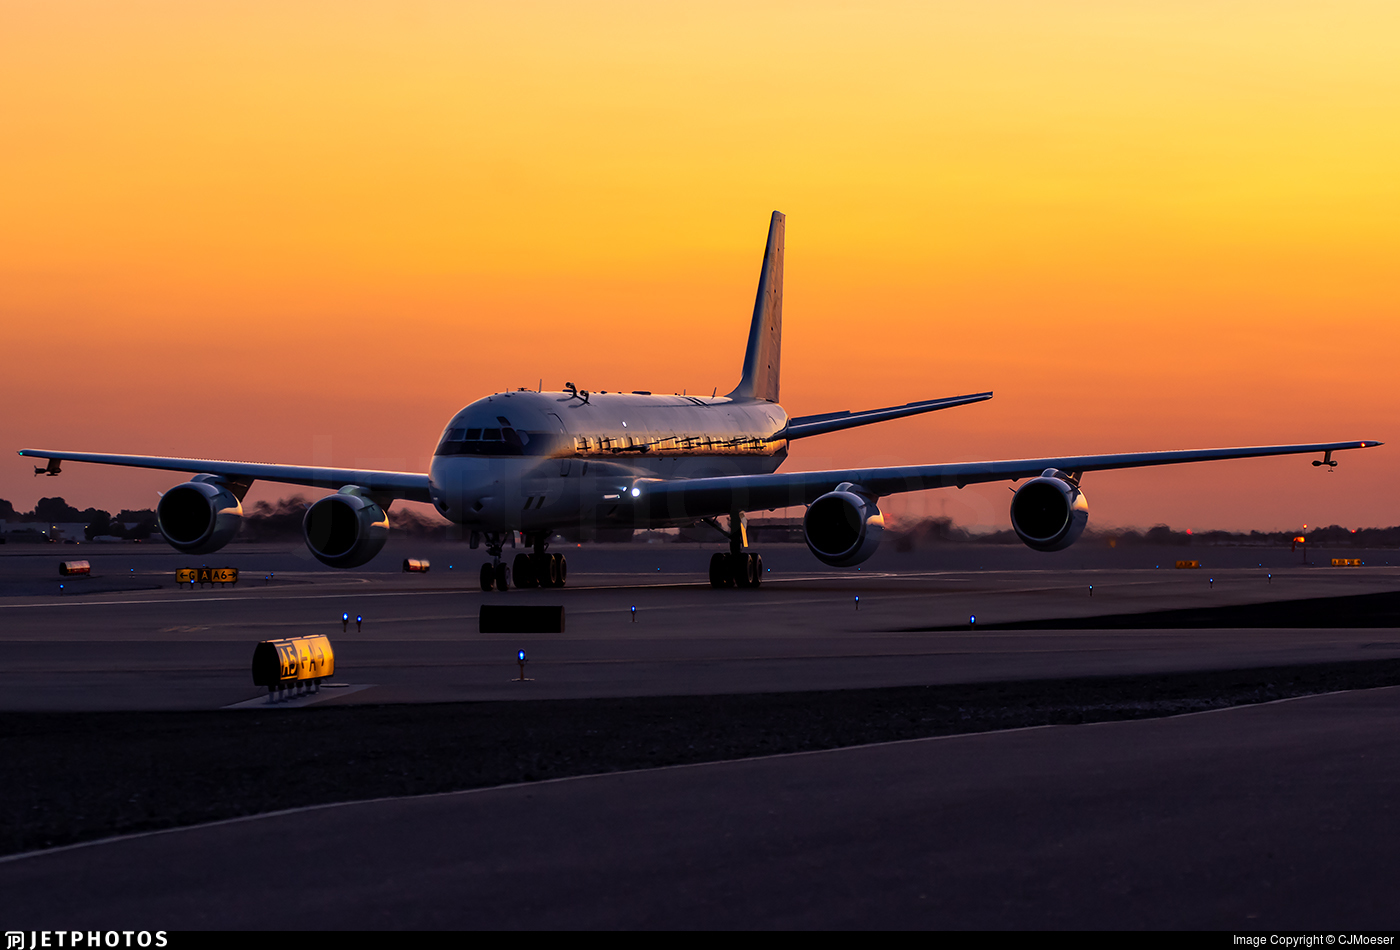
495	575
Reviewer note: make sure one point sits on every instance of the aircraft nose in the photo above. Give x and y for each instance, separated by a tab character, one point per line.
464	494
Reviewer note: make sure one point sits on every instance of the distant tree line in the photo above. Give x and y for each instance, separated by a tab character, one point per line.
281	521
99	523
263	521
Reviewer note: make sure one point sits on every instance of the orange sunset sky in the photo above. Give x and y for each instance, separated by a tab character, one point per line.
309	232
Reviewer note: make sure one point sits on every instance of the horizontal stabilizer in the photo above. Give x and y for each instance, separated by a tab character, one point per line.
803	426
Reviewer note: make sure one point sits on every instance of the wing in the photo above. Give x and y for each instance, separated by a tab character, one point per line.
803	426
410	486
705	497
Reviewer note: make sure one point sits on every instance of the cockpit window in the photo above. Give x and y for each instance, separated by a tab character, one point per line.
499	442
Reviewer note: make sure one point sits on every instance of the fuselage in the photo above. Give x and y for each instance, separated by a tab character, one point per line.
536	461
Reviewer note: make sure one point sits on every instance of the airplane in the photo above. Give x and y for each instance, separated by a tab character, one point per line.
539	463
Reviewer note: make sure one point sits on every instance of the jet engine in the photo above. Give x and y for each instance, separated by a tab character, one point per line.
843	527
346	529
200	516
1049	513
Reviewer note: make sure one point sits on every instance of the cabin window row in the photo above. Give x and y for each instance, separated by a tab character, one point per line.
507	441
588	445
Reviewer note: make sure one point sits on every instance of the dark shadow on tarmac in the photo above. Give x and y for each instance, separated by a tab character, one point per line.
73	777
1352	611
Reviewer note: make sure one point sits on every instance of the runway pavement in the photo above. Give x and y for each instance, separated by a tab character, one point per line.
1276	816
1272	817
169	648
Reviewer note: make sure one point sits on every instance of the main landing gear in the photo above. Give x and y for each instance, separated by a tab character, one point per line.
742	569
538	568
737	567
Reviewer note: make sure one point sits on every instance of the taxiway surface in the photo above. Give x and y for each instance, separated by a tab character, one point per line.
1273	816
100	644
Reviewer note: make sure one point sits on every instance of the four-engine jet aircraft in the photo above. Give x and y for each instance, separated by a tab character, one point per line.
574	461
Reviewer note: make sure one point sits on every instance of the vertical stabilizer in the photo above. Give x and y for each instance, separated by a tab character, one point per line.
766	332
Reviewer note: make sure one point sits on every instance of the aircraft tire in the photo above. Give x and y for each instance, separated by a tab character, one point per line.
744	570
563	570
757	569
549	576
525	573
488	577
719	570
502	577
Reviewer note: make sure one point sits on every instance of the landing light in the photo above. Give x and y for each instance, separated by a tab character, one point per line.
636	493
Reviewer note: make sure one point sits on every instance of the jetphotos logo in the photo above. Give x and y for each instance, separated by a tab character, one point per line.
35	939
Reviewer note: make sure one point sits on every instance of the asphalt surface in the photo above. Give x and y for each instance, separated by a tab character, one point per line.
1272	816
163	647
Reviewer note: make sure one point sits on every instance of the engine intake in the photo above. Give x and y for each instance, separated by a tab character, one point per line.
1049	513
843	527
346	529
200	516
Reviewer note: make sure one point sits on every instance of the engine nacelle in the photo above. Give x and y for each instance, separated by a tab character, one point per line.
200	516
843	527
346	529
1049	513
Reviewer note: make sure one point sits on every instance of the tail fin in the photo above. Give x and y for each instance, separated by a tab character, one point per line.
761	360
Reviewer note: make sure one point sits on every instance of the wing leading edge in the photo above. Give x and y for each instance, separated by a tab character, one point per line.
706	497
409	486
802	426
